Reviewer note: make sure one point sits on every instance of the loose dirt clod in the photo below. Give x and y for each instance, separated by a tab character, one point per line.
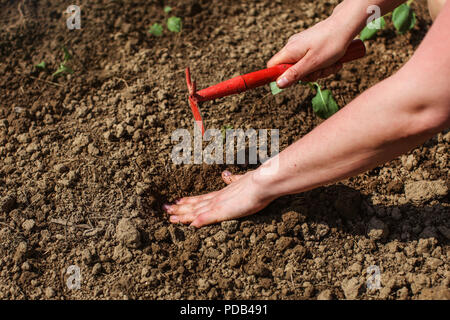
162	234
49	292
351	288
230	226
128	234
425	190
325	295
284	243
377	229
28	225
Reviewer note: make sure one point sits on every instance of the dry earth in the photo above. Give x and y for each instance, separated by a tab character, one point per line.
85	163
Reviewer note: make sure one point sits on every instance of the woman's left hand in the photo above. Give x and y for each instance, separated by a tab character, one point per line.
242	197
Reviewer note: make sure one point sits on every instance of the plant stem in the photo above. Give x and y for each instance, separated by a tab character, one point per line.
312	84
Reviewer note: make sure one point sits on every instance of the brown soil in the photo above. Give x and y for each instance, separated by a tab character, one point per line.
85	163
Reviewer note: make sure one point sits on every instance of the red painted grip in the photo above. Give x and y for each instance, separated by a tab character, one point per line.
356	50
223	89
265	76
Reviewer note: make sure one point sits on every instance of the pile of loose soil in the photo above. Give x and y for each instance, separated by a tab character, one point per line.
85	162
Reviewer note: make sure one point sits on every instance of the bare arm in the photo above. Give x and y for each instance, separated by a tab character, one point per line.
387	120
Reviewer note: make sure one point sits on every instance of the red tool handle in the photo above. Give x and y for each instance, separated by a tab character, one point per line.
355	50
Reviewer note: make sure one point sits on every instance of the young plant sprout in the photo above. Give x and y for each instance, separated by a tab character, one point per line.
63	67
67	55
156	29
274	88
41	66
372	28
174	24
403	18
323	103
224	130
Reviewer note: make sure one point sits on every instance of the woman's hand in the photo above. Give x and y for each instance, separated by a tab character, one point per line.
242	197
314	51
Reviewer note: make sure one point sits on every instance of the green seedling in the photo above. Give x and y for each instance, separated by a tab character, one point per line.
224	130
372	28
174	24
63	67
274	88
156	30
403	18
323	103
67	55
41	66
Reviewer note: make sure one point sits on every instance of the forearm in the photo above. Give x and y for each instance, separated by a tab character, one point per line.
352	15
376	127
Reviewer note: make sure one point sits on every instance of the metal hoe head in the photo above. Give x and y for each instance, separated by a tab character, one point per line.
193	101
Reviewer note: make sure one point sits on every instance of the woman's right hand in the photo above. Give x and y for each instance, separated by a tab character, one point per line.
314	52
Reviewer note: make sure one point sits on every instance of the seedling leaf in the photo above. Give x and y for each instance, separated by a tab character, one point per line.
324	104
224	130
274	88
404	18
167	9
372	28
42	65
67	55
156	30
174	24
62	70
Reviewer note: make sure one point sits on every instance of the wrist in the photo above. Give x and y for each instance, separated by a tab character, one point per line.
349	18
266	178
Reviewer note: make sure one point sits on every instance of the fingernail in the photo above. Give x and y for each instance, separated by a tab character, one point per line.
226	173
167	207
174	219
282	82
